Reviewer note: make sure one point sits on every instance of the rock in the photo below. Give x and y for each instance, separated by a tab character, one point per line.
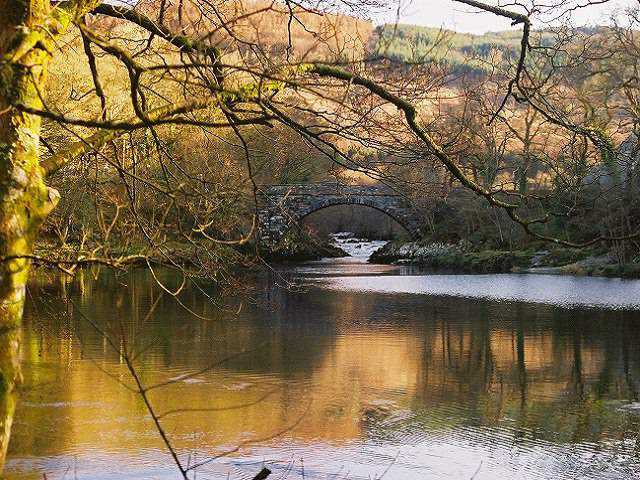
377	409
538	257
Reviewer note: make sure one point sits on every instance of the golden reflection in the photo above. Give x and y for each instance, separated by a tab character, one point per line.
331	363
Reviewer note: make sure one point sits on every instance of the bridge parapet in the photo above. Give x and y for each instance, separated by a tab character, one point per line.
328	188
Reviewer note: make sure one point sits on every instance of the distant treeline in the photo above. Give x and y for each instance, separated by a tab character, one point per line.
458	52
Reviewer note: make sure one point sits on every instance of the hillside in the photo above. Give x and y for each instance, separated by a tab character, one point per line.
461	52
270	26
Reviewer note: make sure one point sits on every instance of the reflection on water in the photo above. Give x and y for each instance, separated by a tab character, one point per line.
424	386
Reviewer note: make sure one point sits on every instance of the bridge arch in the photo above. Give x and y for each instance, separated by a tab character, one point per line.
365	203
280	207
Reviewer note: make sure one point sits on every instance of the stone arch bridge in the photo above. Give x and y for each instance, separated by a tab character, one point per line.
280	207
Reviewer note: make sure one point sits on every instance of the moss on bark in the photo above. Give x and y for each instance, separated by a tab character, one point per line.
25	200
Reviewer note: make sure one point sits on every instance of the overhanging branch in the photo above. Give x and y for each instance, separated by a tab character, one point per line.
110	130
410	114
185	44
516	18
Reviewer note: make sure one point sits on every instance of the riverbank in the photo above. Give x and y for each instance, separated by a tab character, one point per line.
459	258
301	247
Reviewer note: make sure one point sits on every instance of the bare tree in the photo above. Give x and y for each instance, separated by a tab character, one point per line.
224	66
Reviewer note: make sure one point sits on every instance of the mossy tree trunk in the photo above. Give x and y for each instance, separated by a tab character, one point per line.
29	30
25	200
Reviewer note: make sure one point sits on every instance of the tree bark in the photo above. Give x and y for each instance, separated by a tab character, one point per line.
25	200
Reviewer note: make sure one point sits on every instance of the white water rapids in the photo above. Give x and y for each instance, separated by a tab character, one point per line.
360	248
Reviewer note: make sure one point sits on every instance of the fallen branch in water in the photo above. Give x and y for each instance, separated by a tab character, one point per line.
262	474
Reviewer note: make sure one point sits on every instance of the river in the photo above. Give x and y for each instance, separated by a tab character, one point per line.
366	371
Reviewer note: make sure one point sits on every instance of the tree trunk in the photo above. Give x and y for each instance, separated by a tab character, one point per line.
25	200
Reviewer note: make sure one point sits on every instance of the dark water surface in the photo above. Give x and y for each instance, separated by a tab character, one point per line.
368	371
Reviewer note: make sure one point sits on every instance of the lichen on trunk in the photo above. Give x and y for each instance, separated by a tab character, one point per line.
25	200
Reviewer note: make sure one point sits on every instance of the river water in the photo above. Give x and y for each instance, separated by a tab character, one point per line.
367	371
